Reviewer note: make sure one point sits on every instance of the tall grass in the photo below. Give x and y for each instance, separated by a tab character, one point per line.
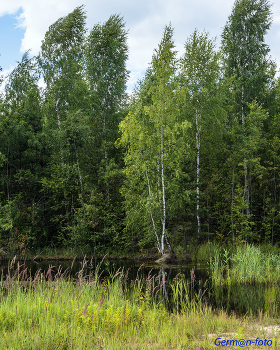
53	311
203	252
247	265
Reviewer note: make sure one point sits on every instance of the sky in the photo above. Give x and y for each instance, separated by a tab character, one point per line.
23	24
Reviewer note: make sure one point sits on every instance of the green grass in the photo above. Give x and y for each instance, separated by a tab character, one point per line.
247	264
203	252
51	311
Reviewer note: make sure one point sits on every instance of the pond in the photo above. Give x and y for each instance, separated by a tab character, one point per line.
240	299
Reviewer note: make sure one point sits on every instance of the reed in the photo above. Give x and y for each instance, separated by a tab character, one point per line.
203	252
246	265
52	311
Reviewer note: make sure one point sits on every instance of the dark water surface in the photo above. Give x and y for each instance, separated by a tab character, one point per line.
240	299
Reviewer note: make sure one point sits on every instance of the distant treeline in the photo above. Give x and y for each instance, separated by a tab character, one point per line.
191	155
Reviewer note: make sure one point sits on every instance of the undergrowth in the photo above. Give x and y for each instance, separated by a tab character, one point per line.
53	311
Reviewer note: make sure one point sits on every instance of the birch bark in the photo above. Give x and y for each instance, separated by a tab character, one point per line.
152	218
198	130
163	196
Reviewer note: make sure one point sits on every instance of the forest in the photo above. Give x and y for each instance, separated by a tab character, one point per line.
191	156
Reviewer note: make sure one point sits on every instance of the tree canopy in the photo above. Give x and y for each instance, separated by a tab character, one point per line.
191	155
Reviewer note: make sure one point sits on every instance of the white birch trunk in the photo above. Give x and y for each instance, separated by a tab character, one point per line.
164	283
57	115
163	196
152	218
158	172
198	130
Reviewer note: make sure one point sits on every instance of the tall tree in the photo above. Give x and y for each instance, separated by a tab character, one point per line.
246	59
20	128
65	109
106	54
154	139
200	73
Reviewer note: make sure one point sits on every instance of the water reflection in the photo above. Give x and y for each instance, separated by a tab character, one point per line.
241	299
247	299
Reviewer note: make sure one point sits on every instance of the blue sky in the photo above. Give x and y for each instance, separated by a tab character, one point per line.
11	36
23	24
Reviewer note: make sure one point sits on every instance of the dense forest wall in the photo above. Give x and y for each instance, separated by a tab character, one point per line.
192	155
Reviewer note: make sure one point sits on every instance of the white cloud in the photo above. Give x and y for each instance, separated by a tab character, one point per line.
9	7
145	20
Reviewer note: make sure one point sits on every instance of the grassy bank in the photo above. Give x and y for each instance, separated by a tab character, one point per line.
51	311
194	253
244	264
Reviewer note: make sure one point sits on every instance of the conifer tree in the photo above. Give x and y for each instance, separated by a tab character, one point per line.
20	148
246	60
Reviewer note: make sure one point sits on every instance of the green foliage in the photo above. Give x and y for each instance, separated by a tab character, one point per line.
241	220
192	154
106	53
245	51
200	72
154	137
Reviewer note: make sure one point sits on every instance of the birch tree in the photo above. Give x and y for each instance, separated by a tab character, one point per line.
105	58
106	53
200	72
65	104
152	134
